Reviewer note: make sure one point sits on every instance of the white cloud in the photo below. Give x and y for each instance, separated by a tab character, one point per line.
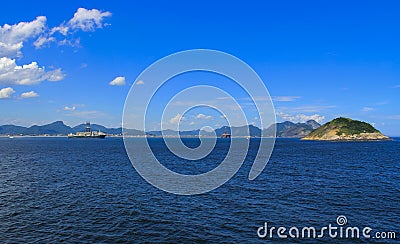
6	92
88	20
367	109
87	114
140	82
27	74
118	81
285	98
84	19
42	40
203	116
192	123
10	50
72	43
176	119
301	117
306	109
30	94
72	108
263	98
13	36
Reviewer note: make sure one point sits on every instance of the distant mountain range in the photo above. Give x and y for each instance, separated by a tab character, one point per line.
284	129
292	130
55	128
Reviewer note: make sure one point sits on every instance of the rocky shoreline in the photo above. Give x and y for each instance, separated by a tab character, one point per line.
357	137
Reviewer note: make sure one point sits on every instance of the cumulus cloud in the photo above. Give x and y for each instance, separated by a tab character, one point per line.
140	82
84	19
30	94
27	74
301	117
13	36
6	92
72	108
176	119
10	50
88	20
203	116
118	81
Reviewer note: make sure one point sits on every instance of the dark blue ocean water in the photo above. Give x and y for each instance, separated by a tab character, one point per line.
55	189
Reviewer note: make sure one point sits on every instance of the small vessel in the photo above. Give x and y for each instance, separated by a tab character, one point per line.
225	134
88	133
11	137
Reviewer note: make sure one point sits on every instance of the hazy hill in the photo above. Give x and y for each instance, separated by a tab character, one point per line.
254	131
57	127
54	128
12	129
292	130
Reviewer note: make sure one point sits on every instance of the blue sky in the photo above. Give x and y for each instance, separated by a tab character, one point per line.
318	59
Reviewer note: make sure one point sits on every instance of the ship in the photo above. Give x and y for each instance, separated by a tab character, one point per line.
225	134
88	133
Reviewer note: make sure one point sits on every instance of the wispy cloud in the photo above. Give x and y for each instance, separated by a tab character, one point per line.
394	117
86	114
285	98
176	119
306	109
367	109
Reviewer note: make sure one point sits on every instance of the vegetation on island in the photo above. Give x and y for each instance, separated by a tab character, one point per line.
346	129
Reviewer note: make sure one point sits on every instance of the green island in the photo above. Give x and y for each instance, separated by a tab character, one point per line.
346	129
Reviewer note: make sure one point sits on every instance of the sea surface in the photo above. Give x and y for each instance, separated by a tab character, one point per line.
83	191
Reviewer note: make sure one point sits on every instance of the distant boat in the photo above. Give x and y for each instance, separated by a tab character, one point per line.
11	137
225	135
88	133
